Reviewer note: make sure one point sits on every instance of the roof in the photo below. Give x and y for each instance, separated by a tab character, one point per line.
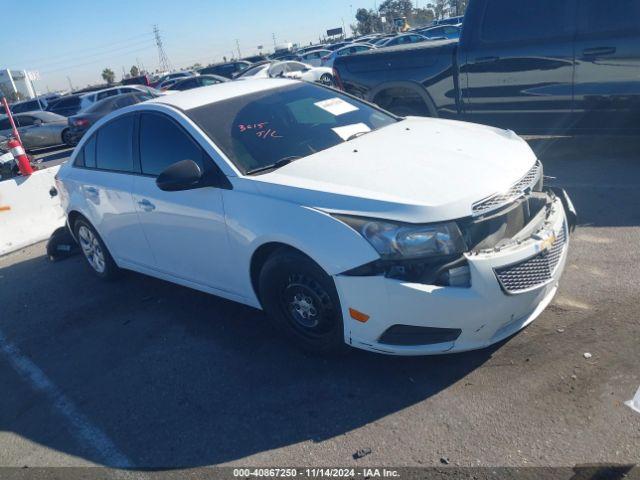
197	97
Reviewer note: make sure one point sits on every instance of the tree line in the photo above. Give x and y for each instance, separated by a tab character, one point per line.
370	20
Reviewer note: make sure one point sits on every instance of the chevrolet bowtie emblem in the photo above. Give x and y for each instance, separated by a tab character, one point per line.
548	242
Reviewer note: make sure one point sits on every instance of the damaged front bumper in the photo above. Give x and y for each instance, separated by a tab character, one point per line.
511	284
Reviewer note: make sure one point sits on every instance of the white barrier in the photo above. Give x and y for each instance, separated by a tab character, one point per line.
28	213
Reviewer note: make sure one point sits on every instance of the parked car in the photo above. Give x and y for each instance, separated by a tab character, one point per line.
283	56
90	98
80	123
172	76
296	199
534	67
66	106
449	21
38	129
314	57
138	80
402	40
28	105
225	69
327	60
290	69
170	82
198	81
335	46
440	32
377	42
254	58
304	50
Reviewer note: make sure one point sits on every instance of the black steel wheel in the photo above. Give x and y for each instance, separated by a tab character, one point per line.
302	301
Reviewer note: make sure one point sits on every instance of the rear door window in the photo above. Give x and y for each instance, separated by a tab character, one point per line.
507	21
163	143
594	18
114	145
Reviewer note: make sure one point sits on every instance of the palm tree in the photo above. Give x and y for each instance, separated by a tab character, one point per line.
108	76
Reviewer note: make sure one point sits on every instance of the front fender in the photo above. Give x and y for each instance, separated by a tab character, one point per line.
254	220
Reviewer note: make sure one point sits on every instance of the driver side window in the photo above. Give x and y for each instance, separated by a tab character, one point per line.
163	142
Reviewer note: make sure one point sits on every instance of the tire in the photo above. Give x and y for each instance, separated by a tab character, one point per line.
326	79
94	250
68	139
301	300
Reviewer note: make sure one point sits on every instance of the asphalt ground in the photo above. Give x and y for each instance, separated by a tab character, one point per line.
141	373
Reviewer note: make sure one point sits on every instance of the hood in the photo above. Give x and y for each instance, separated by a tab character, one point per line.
417	170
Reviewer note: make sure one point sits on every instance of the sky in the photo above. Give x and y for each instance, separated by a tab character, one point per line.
78	39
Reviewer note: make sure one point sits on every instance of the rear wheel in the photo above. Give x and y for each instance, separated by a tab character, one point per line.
301	300
68	139
94	250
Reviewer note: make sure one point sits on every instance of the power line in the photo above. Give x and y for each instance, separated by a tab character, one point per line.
139	43
93	49
71	67
163	60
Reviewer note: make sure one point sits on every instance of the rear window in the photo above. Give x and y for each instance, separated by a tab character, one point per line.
506	20
291	122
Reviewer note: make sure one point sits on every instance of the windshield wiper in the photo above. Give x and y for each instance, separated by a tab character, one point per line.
356	135
280	163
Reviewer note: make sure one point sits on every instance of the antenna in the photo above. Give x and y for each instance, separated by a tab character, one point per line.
165	64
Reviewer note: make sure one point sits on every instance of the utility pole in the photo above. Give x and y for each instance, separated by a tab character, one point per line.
238	47
273	35
70	84
165	64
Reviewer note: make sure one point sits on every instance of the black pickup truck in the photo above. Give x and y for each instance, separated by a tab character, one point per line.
538	66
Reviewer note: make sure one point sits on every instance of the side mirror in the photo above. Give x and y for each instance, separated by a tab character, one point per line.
182	175
37	122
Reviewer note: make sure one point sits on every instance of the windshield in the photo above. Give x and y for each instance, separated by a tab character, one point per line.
258	130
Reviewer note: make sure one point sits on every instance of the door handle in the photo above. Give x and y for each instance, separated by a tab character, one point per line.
91	190
146	205
483	60
597	51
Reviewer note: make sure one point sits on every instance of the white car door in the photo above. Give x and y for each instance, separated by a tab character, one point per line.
106	180
186	229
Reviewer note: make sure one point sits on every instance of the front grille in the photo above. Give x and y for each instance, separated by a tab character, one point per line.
518	189
535	271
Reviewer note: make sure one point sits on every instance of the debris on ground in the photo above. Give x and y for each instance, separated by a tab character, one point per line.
560	330
363	452
587	355
444	460
634	403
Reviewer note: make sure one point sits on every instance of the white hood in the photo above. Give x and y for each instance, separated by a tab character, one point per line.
417	170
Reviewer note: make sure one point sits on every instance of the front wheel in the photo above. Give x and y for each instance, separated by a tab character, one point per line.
326	79
302	301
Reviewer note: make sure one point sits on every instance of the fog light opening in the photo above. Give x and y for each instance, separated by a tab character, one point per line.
456	277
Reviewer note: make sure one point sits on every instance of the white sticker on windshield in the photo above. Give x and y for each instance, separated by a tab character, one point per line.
349	130
336	106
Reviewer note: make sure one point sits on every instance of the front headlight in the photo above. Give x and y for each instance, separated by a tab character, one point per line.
406	241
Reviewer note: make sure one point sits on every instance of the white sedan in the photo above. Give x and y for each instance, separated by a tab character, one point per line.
327	60
345	224
289	69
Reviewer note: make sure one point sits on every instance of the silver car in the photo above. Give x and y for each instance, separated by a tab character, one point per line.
38	129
